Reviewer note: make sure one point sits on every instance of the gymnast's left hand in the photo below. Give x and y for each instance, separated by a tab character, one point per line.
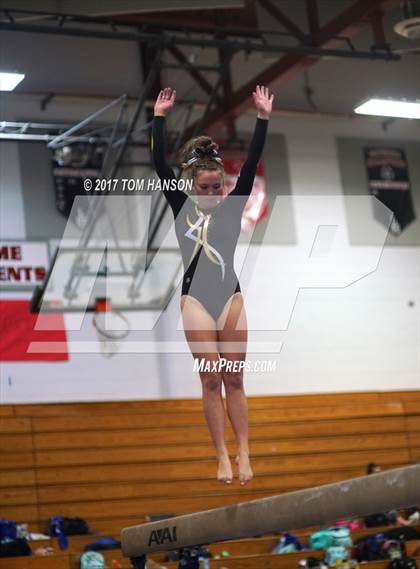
263	101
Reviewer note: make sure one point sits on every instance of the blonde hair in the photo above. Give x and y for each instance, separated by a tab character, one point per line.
204	150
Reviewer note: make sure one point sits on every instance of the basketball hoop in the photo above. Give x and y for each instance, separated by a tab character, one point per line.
111	326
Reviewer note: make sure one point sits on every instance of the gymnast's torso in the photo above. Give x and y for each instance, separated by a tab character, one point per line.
208	237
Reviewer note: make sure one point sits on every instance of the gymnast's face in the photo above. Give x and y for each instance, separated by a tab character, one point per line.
208	187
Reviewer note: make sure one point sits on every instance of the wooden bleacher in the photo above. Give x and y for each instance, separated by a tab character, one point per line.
113	463
249	553
235	547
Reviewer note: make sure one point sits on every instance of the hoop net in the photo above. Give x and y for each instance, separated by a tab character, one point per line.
111	326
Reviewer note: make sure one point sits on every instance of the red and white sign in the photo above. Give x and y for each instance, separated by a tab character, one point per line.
22	263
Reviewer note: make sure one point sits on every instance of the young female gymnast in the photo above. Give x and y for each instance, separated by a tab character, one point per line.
207	226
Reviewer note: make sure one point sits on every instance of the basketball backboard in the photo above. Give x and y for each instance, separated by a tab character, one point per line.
131	278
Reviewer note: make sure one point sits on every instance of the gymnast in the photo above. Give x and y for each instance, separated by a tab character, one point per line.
207	226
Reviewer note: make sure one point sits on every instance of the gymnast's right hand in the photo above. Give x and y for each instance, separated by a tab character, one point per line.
165	101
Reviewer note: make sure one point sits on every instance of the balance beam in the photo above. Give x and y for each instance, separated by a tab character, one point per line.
393	489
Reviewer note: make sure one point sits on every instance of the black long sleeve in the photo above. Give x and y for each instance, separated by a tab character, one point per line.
246	177
176	198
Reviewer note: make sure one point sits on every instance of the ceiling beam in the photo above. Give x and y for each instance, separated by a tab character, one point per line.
313	16
348	23
248	44
377	23
284	20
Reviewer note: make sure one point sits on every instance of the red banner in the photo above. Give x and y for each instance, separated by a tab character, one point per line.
17	331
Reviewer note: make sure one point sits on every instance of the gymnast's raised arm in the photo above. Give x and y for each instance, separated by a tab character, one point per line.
264	104
164	102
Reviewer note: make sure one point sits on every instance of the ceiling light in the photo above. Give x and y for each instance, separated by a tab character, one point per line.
8	81
390	108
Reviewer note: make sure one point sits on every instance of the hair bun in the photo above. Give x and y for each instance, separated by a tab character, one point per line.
206	151
206	144
198	151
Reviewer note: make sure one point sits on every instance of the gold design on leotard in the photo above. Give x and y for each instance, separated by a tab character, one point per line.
202	238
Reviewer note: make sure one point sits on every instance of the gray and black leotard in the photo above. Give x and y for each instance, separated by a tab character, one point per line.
208	237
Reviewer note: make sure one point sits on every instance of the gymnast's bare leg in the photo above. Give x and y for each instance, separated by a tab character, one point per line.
232	344
200	328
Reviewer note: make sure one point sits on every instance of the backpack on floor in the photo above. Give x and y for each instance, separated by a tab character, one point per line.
69	526
341	536
376	520
14	547
321	539
288	543
370	548
60	527
92	560
103	543
8	529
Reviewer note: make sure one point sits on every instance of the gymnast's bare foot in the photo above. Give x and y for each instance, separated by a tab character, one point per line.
224	471
244	467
